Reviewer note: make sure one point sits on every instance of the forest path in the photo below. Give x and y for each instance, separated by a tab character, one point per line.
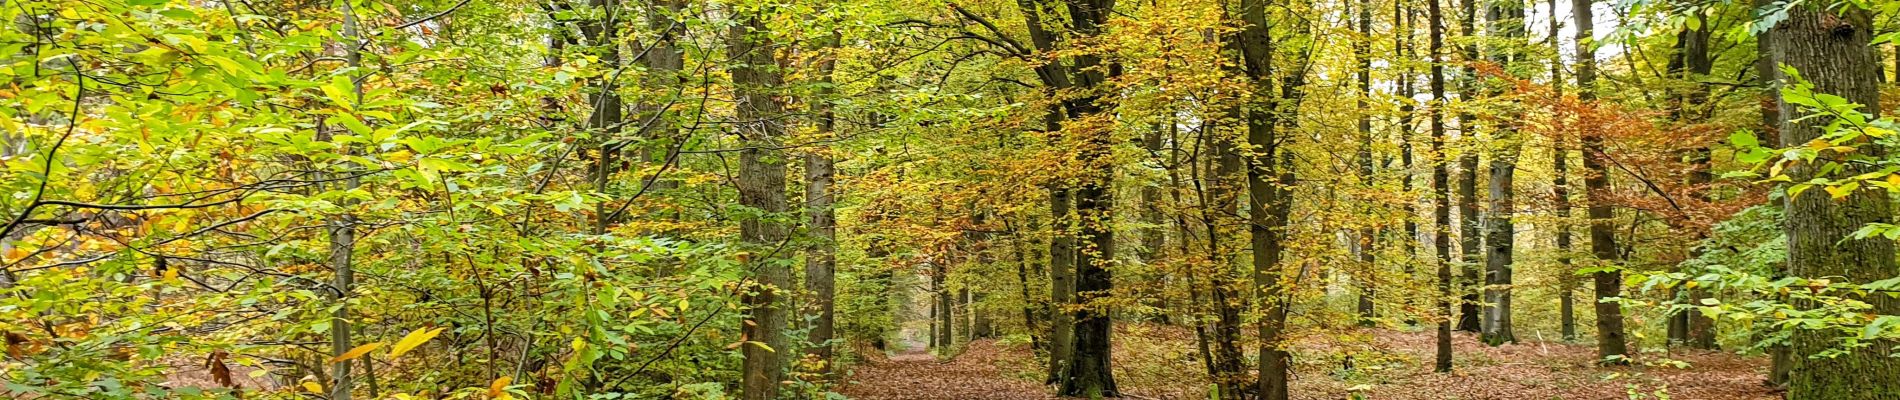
915	374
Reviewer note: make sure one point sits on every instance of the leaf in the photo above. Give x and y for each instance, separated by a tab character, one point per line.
496	388
1744	139
359	351
312	387
413	339
338	91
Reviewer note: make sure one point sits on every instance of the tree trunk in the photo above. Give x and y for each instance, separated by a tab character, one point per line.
761	184
1560	192
1403	43
1362	49
1441	193
821	260
1830	48
1089	372
343	233
1256	45
1596	184
1061	284
1507	21
1469	239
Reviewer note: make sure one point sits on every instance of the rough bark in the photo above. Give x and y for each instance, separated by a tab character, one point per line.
1089	372
761	182
1831	50
1061	283
1263	189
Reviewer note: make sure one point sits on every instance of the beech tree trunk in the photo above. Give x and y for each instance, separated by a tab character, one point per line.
756	81
1560	192
1596	184
1830	48
1441	193
1362	49
1469	238
1507	21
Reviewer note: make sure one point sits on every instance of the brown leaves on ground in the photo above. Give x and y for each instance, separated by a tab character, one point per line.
1158	363
978	373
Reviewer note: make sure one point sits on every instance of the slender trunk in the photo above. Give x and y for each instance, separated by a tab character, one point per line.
1267	199
761	182
1830	48
1769	132
1611	344
1441	193
343	233
1560	191
1469	238
1362	49
1228	372
1404	16
605	122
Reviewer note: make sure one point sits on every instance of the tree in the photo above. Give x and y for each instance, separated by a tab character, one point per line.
1441	201
761	182
1507	21
1608	279
1831	52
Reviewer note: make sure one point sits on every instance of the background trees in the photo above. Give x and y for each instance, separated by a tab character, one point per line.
574	198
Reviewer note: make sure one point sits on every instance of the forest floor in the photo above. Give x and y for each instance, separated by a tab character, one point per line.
1160	363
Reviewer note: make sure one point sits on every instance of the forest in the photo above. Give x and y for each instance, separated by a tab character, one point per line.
949	199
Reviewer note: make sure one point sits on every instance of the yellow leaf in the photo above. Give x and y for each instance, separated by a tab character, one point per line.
1838	192
313	387
411	340
495	389
359	351
1690	284
16	254
171	273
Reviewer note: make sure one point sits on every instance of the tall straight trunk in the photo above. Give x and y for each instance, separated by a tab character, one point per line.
1770	132
605	121
821	260
1153	236
663	60
1061	283
1255	41
1089	371
1362	50
1403	42
342	230
1596	184
1024	258
1692	328
1228	363
1507	21
1469	238
1830	48
1560	191
756	81
1441	193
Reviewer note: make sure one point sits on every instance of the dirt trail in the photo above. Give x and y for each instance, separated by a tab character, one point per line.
915	374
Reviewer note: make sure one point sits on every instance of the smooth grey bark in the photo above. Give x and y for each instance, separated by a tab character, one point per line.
1469	234
342	230
1507	22
821	260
